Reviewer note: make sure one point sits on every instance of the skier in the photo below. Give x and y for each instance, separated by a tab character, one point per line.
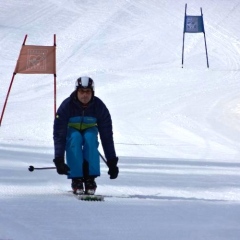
78	120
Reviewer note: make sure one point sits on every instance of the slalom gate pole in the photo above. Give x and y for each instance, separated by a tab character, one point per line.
205	40
183	49
9	89
5	103
184	34
55	79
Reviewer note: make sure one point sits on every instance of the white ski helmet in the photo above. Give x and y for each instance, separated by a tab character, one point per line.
85	82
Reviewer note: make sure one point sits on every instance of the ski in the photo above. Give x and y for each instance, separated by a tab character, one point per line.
86	197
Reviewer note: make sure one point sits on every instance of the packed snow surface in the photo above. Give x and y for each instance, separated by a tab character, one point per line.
176	130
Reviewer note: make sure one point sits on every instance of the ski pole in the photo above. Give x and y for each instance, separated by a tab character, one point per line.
32	168
103	158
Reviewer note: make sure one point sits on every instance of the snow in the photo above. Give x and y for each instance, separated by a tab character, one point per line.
176	130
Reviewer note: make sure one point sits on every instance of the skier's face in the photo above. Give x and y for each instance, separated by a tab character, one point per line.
84	95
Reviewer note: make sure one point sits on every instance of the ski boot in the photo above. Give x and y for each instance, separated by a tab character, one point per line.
90	186
77	186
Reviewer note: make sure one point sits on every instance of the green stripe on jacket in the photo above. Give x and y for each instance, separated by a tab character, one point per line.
81	126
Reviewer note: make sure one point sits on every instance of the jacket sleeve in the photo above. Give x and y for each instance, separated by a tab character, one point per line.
106	131
60	129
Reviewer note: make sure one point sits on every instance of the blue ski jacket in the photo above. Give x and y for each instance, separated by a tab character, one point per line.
71	113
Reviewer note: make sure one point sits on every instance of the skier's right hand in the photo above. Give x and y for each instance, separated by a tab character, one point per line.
61	167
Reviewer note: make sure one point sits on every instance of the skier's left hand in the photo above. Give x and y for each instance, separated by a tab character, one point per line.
113	168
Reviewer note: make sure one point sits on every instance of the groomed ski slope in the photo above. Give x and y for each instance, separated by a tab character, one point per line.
176	130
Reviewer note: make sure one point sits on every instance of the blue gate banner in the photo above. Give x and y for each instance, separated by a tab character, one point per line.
193	24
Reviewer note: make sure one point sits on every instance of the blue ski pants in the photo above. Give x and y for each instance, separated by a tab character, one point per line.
82	152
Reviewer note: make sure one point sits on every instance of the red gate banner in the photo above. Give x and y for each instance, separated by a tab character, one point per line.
36	60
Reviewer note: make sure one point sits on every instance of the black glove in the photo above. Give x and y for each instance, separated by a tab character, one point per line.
62	168
113	169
